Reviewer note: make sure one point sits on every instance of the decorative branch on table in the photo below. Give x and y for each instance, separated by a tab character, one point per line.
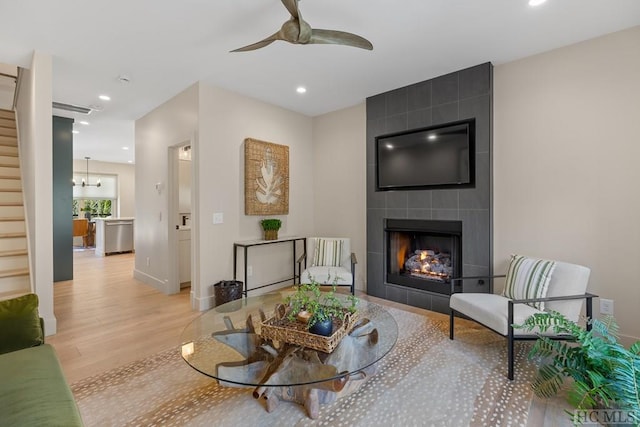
605	373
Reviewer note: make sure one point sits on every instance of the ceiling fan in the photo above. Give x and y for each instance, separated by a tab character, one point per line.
298	31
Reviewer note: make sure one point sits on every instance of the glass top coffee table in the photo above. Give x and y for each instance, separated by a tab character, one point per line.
225	343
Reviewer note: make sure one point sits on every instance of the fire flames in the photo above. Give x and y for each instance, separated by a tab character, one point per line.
428	264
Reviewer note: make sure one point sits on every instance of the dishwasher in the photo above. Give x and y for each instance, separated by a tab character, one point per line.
118	236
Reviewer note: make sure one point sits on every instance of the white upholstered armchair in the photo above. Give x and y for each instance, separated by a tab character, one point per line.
329	261
531	286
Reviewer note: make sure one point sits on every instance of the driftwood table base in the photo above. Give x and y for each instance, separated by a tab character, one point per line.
270	364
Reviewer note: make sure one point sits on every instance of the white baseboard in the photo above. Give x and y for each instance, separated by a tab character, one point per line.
201	304
50	325
151	281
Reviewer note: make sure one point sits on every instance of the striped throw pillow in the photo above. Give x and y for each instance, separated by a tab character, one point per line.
528	278
328	253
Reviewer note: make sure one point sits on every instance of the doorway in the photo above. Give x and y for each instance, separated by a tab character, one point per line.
180	191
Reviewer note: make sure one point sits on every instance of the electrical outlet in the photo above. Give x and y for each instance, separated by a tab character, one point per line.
249	270
606	306
148	261
218	218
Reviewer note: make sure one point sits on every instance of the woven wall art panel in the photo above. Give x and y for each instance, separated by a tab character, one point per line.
266	178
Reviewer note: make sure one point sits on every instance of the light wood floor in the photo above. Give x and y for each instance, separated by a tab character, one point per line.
107	319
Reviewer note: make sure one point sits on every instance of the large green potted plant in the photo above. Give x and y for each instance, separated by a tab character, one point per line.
605	373
318	309
271	227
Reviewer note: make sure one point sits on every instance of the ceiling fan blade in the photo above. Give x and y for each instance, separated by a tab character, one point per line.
292	7
339	37
258	45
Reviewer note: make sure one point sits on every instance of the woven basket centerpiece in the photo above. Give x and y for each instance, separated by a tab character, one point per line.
295	332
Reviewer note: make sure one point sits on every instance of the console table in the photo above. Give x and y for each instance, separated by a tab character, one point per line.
246	244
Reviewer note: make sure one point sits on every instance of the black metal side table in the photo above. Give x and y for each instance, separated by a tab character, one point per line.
245	245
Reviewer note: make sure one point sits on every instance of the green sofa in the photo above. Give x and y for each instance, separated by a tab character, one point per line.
33	390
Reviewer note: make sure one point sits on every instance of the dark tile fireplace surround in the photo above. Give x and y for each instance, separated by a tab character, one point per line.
454	226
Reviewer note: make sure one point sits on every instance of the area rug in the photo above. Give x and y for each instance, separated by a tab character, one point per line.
426	379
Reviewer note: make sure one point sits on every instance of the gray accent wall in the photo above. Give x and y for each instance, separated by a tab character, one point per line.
460	95
62	199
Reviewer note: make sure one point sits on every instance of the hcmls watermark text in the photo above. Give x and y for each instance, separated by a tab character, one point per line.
612	417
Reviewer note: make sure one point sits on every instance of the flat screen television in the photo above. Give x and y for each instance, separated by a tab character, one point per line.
441	156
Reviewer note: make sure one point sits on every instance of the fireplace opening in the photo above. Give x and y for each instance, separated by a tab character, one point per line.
427	264
423	254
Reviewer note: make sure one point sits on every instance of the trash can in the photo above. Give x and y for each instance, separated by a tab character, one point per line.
226	291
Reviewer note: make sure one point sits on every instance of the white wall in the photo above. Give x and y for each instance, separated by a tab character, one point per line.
566	157
217	160
339	186
169	124
34	115
126	182
227	119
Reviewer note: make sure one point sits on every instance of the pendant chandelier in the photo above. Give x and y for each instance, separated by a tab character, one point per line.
85	183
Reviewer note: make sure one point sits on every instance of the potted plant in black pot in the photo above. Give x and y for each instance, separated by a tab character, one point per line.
319	309
605	374
270	226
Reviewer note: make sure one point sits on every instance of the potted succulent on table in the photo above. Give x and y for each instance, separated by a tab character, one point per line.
271	227
318	309
606	375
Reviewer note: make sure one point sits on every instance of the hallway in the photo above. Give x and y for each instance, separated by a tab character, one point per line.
106	318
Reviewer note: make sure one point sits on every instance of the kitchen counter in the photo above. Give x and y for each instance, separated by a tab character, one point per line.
114	219
114	235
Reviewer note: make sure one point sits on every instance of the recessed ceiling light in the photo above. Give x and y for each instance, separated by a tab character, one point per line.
105	97
125	148
84	122
301	89
536	2
75	131
432	137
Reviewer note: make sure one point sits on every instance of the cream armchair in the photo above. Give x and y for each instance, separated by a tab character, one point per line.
328	260
564	292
